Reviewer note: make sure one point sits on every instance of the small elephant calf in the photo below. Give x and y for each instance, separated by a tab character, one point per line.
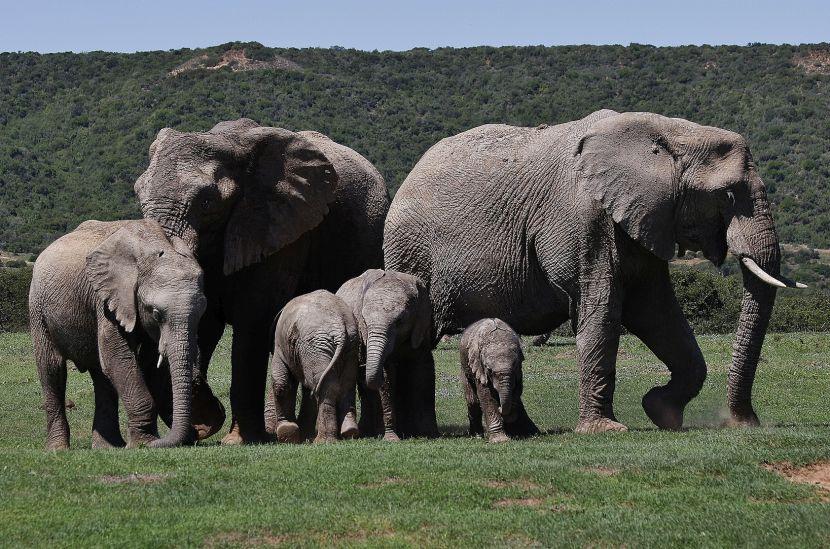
316	344
491	365
118	299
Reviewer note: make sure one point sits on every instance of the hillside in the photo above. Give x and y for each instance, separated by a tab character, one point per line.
75	128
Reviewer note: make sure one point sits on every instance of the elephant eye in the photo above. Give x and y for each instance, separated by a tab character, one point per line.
157	315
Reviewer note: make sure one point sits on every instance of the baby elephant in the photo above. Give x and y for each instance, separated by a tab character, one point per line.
107	296
491	364
316	344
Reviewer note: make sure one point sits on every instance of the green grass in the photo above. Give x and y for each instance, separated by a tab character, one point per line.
702	487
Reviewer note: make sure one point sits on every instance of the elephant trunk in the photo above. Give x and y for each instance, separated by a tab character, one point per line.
378	346
505	390
762	249
181	355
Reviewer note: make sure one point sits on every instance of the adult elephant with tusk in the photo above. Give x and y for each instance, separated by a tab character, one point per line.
270	214
578	221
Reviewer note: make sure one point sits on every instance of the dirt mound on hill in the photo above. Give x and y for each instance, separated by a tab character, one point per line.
235	60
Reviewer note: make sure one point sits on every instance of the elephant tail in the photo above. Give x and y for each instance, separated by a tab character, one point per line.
335	358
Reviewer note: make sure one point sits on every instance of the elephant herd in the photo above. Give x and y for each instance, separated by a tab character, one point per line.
291	239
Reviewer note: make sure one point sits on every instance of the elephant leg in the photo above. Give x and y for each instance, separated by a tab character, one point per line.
371	411
327	425
284	398
492	417
52	373
106	432
208	413
417	396
473	406
308	415
249	366
519	424
597	341
653	314
119	365
347	415
158	381
388	404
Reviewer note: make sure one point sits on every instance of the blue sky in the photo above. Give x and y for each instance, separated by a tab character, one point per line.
114	25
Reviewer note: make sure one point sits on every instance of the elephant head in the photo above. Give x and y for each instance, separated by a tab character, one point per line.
495	358
394	312
146	281
670	183
237	193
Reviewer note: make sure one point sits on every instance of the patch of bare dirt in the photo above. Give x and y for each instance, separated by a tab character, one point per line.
235	60
813	61
602	471
816	474
519	502
134	478
710	65
524	484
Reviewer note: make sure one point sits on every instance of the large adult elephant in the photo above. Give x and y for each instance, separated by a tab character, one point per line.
271	214
538	225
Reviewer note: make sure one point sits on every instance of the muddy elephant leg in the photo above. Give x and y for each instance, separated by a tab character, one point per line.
208	413
52	373
327	425
119	365
597	341
473	406
388	405
308	415
284	399
106	431
249	366
492	417
653	315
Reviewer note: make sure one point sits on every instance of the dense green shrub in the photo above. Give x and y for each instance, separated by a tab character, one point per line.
14	297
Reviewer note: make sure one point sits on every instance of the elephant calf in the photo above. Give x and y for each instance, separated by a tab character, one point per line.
105	296
316	343
491	365
394	316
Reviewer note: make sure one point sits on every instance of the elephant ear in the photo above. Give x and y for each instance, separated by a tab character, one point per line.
626	164
422	327
112	269
288	184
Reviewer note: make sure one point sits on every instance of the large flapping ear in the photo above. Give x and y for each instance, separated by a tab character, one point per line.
112	269
422	328
626	163
288	184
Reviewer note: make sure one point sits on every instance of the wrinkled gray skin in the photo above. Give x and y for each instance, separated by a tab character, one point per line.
578	221
491	368
394	318
112	297
317	346
270	214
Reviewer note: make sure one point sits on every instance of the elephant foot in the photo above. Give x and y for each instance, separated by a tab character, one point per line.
521	427
391	436
663	410
106	441
208	414
498	438
141	440
743	417
349	429
325	439
237	436
599	425
288	431
59	444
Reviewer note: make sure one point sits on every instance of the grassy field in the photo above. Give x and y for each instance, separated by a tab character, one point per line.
703	487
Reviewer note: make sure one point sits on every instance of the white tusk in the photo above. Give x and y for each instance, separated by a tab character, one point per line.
161	358
763	275
800	285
